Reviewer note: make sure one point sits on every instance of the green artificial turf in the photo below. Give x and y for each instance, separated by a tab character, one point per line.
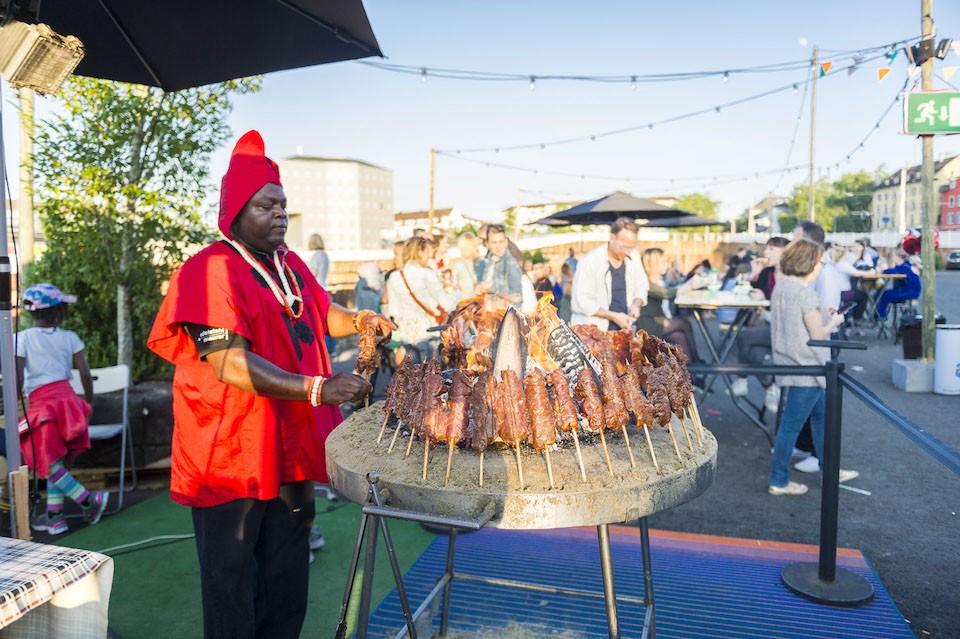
156	587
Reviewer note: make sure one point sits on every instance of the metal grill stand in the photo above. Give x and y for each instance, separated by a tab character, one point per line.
417	624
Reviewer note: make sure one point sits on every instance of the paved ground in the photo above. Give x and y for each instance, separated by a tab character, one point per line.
907	526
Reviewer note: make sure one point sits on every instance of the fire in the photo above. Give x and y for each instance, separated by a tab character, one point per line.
542	321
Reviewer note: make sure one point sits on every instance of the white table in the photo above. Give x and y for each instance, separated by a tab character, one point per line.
746	306
52	591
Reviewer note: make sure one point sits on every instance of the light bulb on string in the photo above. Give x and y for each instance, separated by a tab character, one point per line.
650	126
423	74
796	89
633	82
533	82
726	77
717	109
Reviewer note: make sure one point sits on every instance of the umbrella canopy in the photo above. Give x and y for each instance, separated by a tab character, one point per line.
681	221
608	208
177	44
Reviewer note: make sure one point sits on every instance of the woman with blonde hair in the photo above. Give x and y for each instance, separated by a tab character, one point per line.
654	317
417	299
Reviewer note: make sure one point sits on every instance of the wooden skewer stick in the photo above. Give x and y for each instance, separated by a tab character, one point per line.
683	427
450	447
606	452
519	467
394	439
409	445
626	440
426	457
693	427
481	469
546	453
576	442
653	455
674	438
383	427
695	412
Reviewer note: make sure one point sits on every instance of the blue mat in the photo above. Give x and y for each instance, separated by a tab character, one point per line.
710	587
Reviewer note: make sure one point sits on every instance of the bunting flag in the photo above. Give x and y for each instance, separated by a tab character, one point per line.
892	55
882	72
852	70
948	72
825	67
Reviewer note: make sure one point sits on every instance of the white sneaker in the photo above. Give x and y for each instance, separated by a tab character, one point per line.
772	400
847	475
739	387
792	488
809	465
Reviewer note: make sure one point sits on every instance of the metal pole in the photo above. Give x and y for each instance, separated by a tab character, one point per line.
451	554
25	201
366	588
341	632
609	588
648	578
830	466
929	273
813	124
7	366
433	186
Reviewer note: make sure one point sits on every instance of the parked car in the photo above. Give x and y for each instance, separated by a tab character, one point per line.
953	260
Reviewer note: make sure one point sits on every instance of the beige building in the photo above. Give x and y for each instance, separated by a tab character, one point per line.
898	200
444	221
348	202
530	213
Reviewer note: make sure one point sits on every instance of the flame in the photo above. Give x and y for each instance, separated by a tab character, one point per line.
542	321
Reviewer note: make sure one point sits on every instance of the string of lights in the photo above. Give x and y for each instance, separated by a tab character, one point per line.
793	139
592	137
425	72
876	126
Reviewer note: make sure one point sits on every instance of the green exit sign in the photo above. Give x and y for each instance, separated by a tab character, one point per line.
931	112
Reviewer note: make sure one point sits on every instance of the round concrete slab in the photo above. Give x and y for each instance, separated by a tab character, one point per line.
631	492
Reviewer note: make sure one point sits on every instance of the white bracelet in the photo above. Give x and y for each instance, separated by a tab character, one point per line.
316	390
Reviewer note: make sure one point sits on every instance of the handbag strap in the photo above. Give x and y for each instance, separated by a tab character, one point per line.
422	306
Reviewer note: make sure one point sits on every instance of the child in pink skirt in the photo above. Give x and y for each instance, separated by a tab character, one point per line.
55	430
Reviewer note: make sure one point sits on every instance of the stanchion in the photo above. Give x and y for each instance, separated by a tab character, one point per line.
825	582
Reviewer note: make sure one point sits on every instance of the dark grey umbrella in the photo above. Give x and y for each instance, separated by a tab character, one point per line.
681	221
177	44
608	208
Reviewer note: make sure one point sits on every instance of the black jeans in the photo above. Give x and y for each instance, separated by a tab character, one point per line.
254	560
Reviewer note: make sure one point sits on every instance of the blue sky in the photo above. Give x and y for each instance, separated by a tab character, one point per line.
393	120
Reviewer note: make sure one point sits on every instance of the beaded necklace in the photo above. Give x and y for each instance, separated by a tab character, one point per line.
290	294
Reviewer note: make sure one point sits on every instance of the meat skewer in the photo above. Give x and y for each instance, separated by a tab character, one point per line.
695	414
368	361
396	395
677	387
566	412
431	427
542	421
638	406
657	393
481	427
406	410
614	407
510	409
591	407
453	425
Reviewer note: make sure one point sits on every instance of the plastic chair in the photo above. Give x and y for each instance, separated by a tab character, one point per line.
109	380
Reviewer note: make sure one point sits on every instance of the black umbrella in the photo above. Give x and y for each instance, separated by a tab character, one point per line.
681	221
177	44
608	208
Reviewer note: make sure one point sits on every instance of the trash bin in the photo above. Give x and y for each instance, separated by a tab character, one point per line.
946	372
911	334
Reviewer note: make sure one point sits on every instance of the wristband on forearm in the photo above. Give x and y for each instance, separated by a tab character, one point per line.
316	390
360	318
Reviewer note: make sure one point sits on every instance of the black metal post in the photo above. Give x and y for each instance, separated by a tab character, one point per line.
366	588
609	588
451	553
373	480
341	632
825	582
650	623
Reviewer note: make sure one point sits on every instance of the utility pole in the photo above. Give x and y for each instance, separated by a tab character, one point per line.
813	124
25	203
929	274
433	184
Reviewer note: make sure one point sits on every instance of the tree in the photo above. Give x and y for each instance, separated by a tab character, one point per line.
121	177
698	204
852	191
824	212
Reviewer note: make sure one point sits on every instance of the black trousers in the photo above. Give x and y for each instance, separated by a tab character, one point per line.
254	560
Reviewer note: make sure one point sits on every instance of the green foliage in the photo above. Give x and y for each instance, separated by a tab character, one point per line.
851	224
787	223
535	257
698	204
121	177
510	221
848	193
823	211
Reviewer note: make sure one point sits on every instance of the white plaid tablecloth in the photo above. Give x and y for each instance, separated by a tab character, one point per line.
52	591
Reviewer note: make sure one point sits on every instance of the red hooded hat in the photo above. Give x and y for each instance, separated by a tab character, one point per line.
250	169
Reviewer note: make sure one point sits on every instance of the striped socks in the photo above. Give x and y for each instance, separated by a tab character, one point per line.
64	484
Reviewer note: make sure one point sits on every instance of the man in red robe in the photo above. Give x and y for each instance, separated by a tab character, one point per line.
244	322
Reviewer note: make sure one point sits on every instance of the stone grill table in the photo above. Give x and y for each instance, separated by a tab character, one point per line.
391	486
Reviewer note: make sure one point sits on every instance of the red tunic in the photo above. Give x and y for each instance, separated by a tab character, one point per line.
229	444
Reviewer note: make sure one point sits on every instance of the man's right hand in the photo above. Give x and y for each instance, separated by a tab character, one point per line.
344	387
622	320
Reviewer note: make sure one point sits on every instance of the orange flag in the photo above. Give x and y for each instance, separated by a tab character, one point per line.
825	67
882	72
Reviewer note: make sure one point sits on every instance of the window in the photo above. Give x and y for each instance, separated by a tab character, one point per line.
951	202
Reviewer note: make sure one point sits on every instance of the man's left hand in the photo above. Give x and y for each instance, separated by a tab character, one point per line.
635	309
